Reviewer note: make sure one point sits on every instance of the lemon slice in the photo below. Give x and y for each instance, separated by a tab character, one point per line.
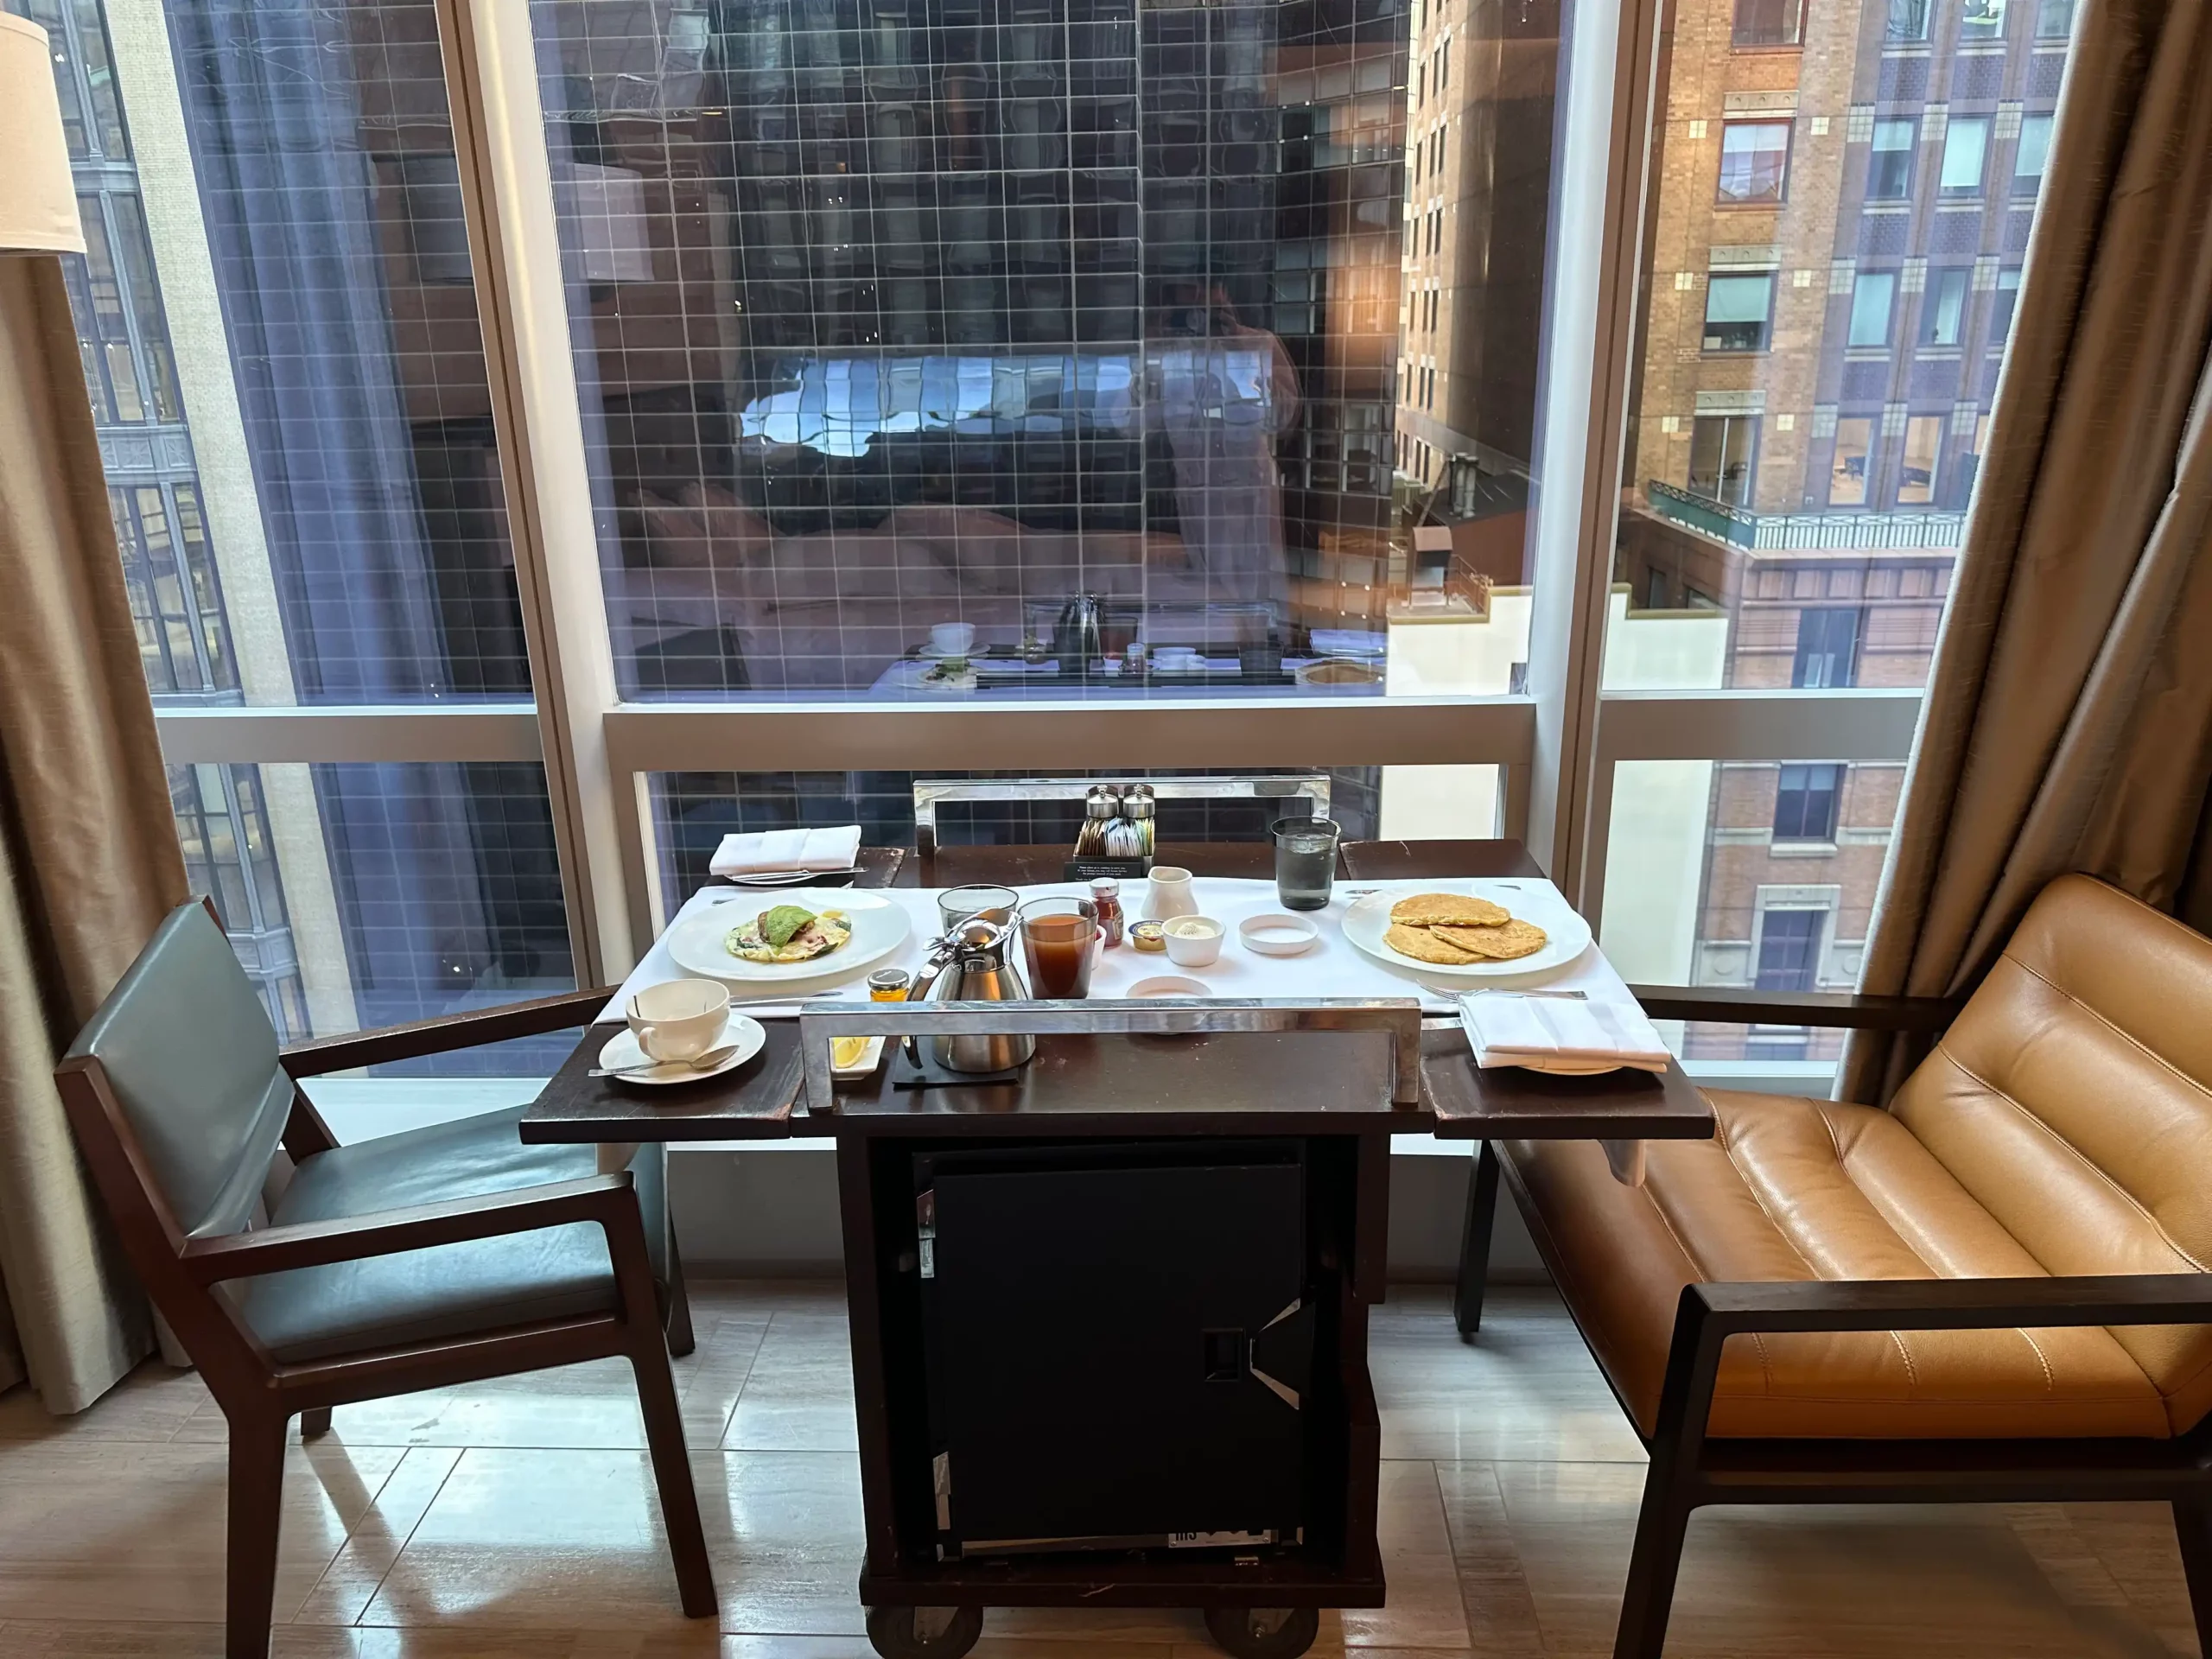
846	1052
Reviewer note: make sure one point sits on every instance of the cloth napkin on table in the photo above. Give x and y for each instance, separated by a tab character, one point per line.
1555	1033
772	852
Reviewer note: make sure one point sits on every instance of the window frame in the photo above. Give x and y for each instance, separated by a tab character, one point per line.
1750	123
1765	324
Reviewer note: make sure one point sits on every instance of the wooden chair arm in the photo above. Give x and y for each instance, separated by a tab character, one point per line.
602	1199
1948	1303
1832	1010
443	1034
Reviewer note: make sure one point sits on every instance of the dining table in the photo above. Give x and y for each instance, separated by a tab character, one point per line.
1225	1089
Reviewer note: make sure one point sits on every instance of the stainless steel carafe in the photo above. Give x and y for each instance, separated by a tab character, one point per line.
973	963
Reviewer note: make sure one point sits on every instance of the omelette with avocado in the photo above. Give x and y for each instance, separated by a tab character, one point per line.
790	933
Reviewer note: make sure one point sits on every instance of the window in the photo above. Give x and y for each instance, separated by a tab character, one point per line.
1789	949
2054	19
1854	441
1754	160
1924	446
1805	799
1724	457
1907	21
1981	20
1872	293
1942	310
1827	649
2001	302
1736	312
1966	148
1768	22
1889	171
2027	160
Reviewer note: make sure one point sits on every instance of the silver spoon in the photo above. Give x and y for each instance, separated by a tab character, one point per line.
706	1062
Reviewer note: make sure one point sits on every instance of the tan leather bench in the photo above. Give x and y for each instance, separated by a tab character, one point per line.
1830	1301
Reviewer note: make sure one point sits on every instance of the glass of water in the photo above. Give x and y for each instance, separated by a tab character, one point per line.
1305	862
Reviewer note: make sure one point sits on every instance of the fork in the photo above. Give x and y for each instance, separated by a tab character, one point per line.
1507	990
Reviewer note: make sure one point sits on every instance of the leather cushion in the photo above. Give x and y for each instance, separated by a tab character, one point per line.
2070	1100
1795	1190
451	1290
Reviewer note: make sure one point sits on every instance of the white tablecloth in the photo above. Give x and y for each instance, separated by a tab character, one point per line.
1332	967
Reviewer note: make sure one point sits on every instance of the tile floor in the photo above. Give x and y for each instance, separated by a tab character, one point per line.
516	1519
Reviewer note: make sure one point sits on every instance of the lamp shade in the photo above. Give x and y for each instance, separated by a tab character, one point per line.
38	199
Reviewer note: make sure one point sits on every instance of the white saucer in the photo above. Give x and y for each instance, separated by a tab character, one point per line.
622	1054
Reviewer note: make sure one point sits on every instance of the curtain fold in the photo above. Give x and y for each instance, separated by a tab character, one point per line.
89	862
2068	724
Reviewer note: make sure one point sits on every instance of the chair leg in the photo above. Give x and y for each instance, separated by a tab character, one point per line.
315	1422
255	1499
679	1498
1474	1243
680	1339
1653	1564
2193	1526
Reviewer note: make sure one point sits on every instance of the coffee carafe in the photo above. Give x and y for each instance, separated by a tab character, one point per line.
973	963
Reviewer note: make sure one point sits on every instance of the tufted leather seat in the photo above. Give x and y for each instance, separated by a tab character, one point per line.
2062	1126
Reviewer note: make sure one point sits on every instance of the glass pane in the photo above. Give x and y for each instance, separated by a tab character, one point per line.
1169	349
305	335
1857	328
1749	875
1754	158
692	811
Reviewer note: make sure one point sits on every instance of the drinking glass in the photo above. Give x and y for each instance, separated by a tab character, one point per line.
993	903
1061	943
1305	862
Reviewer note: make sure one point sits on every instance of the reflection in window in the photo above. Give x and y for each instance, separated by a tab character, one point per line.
1854	443
1907	21
1789	950
1924	446
1768	22
1965	148
2001	303
2034	152
1724	457
1805	803
1754	160
1872	294
1889	171
1827	657
2054	19
222	825
1737	310
1981	19
1942	312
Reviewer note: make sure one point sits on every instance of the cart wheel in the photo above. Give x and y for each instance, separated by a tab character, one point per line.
928	1632
1263	1632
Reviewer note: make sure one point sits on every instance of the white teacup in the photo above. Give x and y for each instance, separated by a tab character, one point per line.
680	1020
952	638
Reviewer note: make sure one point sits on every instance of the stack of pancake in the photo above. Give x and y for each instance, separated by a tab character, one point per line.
1452	929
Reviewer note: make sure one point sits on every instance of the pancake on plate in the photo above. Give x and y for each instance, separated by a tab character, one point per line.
1423	944
1504	943
1448	910
785	933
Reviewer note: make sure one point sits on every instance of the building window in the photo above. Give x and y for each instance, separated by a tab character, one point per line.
1965	148
1981	20
1942	312
1827	650
1754	160
2001	304
1789	949
2027	160
1724	458
1872	295
1889	171
1908	20
1736	312
1805	799
1923	449
1769	22
1854	445
2054	19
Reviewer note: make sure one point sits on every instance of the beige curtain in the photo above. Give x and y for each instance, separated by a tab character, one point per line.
88	851
2068	724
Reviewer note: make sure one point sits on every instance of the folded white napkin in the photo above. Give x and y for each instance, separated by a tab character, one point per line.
1607	1029
773	851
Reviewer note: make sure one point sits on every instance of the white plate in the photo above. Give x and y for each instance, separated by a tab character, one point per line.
1536	901
622	1054
784	878
698	943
